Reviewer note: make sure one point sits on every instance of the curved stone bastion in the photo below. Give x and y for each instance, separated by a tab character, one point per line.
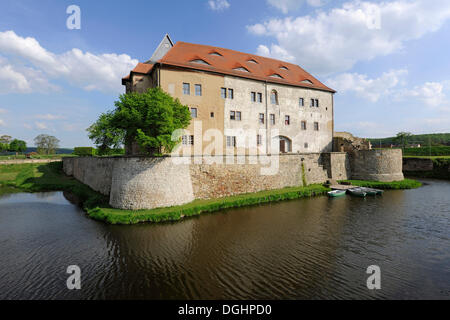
377	165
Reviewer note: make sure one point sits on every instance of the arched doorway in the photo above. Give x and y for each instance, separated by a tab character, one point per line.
285	144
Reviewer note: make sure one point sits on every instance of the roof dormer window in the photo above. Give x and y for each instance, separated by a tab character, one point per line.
215	54
284	68
241	69
276	75
252	61
306	81
199	61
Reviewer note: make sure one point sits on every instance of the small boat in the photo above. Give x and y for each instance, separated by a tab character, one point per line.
357	192
371	191
336	193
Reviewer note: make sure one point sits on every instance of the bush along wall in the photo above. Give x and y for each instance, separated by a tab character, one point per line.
84	151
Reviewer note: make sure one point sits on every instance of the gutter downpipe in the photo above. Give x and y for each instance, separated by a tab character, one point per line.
267	120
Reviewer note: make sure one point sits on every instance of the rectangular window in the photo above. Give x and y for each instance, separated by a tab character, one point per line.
259	140
238	115
253	96
198	89
212	114
272	119
260	97
193	112
223	92
261	118
312	102
287	120
230	94
231	141
306	145
303	125
232	115
317	103
316	126
273	97
186	88
301	102
188	140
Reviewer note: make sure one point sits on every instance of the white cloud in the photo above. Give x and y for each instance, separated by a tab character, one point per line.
40	125
288	5
2	123
218	5
363	86
49	116
83	69
430	93
335	40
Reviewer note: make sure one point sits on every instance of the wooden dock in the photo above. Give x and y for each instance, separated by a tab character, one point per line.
342	187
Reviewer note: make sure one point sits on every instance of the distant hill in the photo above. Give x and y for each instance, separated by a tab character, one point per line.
424	139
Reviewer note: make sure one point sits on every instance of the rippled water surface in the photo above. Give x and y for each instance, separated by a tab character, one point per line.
301	249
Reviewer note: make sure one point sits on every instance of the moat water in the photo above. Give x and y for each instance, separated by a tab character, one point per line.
315	248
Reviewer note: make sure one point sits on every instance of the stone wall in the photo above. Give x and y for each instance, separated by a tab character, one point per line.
378	165
145	183
417	164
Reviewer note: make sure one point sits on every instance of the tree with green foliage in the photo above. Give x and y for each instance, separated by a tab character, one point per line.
4	147
46	144
105	136
402	138
5	139
147	118
17	145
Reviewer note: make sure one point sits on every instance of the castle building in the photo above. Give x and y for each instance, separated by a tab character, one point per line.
252	104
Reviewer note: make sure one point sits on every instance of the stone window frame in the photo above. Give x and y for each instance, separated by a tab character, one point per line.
198	89
316	126
301	102
231	141
194	111
261	118
272	118
303	125
287	120
186	88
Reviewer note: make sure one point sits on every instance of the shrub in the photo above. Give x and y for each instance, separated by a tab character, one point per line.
84	151
427	151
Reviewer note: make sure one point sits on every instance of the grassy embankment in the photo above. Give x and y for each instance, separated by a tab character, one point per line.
49	177
441	169
22	156
395	185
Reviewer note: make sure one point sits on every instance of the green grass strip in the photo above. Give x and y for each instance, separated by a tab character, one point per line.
395	185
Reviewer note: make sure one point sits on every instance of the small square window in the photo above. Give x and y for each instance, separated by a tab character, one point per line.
316	126
232	115
230	93
188	140
301	102
212	114
303	125
198	89
231	141
186	88
261	118
259	140
287	120
193	112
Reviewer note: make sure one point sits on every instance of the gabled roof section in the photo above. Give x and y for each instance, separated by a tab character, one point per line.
230	62
142	68
164	46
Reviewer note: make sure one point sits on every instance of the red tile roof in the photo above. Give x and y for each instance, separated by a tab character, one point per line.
225	61
140	68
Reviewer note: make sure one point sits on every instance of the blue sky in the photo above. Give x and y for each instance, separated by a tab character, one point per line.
387	60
